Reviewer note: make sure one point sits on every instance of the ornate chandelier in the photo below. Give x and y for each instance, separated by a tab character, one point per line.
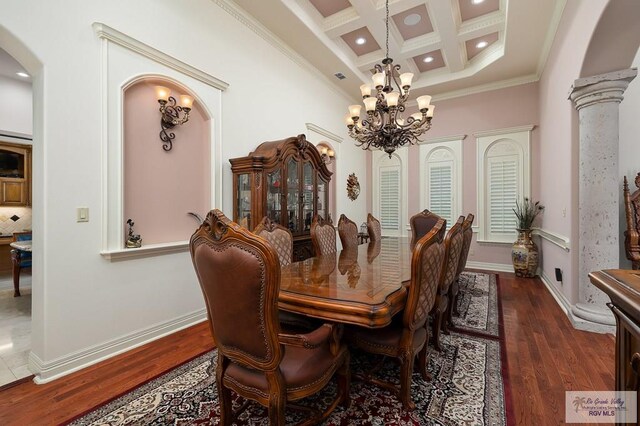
383	127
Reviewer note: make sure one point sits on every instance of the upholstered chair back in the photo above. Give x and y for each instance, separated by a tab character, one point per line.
348	231
467	235
453	243
426	263
422	223
323	236
374	228
279	237
239	273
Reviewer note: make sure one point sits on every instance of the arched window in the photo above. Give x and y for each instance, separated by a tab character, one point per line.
441	178
503	178
390	191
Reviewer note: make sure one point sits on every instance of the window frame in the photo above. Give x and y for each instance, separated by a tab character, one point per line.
453	144
519	138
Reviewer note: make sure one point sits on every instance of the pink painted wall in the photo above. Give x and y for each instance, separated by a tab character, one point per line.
497	109
161	187
559	138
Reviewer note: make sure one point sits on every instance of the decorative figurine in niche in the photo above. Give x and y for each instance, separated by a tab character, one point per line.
353	187
133	240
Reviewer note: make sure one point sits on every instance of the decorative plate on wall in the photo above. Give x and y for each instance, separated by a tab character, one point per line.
353	187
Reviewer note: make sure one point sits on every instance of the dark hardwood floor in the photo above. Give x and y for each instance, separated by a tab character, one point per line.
546	357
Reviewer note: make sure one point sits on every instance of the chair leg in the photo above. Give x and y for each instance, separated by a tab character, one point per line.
450	308
15	260
344	382
224	393
277	398
444	316
406	372
423	358
437	325
456	311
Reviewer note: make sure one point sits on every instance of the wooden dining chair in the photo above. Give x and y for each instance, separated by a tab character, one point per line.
348	232
239	274
323	236
632	215
453	243
374	228
407	338
454	290
421	223
281	240
279	237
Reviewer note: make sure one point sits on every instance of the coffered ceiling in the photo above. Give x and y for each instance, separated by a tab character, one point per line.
453	47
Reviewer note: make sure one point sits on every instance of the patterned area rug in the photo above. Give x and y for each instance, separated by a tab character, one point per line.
478	304
469	384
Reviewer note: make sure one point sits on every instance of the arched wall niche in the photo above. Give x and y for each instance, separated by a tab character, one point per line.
615	40
161	187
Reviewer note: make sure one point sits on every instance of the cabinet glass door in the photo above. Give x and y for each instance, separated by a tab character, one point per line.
323	208
244	201
293	197
307	195
274	196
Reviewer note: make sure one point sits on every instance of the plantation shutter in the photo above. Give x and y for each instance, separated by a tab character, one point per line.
441	190
390	198
502	194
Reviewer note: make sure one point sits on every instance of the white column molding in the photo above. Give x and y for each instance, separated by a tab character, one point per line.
596	99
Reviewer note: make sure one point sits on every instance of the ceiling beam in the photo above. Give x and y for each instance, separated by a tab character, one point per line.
444	23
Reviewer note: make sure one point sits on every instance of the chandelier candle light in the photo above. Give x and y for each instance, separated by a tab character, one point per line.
172	114
383	127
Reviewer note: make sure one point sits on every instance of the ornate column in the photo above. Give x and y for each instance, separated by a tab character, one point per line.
596	99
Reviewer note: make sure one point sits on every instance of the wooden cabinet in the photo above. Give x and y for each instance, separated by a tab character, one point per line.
623	288
285	180
15	174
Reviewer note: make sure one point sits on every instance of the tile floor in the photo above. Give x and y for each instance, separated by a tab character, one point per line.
15	335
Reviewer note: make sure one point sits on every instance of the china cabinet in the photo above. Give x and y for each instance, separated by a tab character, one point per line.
285	180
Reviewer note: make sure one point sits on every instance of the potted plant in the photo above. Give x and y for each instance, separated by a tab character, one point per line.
524	252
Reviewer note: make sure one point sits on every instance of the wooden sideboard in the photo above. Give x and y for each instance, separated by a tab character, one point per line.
623	288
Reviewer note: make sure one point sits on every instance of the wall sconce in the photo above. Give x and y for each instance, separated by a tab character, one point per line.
327	154
172	114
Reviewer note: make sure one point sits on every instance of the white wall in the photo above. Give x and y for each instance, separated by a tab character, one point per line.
629	148
90	307
16	106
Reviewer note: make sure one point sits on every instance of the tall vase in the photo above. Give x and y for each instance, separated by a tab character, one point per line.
524	255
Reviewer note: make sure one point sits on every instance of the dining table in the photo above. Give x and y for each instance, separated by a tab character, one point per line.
365	286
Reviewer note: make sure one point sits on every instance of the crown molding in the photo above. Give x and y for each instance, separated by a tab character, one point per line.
551	35
105	32
503	84
324	132
443	139
496	132
260	30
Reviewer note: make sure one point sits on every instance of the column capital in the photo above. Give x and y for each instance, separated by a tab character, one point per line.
600	88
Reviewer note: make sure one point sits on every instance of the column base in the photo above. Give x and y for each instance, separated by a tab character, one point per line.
596	315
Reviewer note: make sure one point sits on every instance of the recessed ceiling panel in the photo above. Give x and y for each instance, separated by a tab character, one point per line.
429	61
413	22
479	44
469	9
329	7
361	41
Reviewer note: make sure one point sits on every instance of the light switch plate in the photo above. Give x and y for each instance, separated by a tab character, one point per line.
83	214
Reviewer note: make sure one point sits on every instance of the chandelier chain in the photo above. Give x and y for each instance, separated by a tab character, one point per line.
387	25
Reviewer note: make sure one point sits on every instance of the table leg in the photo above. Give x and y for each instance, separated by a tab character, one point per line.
15	259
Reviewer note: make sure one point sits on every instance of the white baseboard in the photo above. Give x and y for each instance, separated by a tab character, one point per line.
54	369
566	306
486	266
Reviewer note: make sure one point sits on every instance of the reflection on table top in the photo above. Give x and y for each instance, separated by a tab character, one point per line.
362	287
